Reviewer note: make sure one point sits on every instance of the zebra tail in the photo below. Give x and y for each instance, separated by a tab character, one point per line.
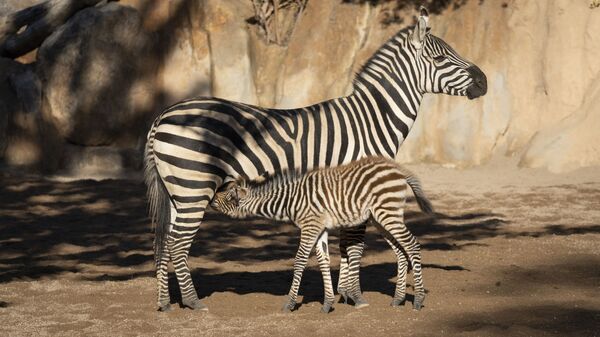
422	200
159	204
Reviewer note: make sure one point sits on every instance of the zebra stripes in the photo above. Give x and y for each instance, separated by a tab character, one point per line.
196	145
329	198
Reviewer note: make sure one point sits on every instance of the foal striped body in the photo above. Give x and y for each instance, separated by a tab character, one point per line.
341	197
196	145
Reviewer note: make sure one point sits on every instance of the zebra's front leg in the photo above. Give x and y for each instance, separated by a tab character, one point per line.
322	252
352	245
185	226
308	237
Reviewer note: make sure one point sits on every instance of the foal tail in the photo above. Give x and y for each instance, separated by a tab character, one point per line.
422	200
158	198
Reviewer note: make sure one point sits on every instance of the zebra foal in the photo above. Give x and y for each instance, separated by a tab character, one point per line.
328	198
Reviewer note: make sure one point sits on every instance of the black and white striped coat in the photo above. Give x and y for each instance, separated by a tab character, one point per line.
330	198
195	146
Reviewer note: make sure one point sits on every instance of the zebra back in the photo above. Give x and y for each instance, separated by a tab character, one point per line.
321	188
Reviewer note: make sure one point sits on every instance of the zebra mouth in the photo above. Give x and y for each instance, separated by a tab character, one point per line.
474	92
479	86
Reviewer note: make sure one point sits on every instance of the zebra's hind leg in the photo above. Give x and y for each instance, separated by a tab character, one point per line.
352	245
400	293
185	226
164	300
394	225
308	236
322	252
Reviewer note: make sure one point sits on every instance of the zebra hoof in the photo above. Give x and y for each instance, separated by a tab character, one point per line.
288	307
195	304
326	307
397	302
359	301
165	308
418	303
343	297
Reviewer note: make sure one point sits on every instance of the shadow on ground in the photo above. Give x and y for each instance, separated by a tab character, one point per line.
549	319
48	228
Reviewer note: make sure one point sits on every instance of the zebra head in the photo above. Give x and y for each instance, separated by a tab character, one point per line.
444	70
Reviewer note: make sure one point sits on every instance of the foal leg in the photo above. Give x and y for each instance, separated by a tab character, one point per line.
400	293
393	223
308	237
352	245
322	252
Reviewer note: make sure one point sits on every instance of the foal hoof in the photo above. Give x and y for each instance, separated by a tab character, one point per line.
343	297
397	302
418	303
165	308
359	301
195	304
326	307
288	307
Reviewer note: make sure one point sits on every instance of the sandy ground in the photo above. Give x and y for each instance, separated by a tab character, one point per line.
514	253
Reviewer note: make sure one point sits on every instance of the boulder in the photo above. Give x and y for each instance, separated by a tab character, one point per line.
9	103
94	73
25	141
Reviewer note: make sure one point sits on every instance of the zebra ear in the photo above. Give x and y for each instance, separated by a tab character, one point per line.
421	28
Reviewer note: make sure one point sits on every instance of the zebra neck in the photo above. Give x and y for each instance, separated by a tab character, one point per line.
393	107
389	84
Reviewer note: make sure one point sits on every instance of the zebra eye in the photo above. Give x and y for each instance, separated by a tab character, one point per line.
439	58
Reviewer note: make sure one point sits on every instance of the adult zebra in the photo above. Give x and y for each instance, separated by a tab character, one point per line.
195	145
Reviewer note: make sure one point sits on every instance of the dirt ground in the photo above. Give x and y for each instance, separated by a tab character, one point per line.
514	253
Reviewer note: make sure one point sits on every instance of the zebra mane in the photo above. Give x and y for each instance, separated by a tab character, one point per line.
392	41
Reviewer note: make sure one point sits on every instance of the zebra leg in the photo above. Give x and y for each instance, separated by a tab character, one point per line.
400	293
308	237
414	253
322	252
343	277
352	242
164	300
394	225
180	239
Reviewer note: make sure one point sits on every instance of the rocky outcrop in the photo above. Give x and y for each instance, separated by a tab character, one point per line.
95	88
111	68
314	68
572	143
22	141
541	61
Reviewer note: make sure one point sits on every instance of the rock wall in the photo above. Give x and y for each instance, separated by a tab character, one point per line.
540	57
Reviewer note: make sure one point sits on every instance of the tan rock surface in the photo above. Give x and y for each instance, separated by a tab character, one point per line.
540	57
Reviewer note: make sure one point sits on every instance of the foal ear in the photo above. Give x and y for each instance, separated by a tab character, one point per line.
421	28
241	192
